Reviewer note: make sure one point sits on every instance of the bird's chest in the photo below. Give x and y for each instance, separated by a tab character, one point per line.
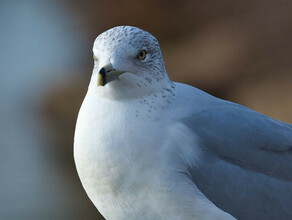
116	163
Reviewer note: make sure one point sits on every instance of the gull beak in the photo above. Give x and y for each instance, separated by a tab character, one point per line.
107	74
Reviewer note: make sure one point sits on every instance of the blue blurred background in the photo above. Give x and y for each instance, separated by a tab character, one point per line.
236	50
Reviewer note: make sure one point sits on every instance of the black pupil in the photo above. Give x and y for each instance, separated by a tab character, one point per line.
141	54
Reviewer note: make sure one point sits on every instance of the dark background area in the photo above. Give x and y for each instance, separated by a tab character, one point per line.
236	50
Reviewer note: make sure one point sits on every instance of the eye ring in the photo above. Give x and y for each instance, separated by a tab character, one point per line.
142	55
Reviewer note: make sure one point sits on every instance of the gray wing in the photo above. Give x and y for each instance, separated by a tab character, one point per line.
246	167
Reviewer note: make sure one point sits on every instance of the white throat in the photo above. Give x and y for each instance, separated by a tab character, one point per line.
131	86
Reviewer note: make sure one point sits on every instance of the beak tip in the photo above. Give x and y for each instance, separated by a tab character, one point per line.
100	80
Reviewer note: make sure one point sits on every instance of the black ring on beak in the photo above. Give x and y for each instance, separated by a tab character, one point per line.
103	74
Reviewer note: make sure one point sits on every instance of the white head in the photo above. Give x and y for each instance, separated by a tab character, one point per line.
127	64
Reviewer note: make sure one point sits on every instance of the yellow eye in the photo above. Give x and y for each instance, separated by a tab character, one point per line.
94	57
142	55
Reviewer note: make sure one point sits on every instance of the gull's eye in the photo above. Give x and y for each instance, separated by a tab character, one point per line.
142	55
94	57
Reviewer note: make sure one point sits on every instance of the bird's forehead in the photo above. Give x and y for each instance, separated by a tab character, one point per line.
124	37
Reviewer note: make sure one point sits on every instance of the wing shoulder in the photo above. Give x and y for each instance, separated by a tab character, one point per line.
245	138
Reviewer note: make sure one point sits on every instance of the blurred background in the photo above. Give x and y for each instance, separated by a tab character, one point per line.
236	50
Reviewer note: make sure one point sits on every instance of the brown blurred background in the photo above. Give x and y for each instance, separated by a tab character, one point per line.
236	50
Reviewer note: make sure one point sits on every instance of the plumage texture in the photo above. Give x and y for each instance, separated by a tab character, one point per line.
148	148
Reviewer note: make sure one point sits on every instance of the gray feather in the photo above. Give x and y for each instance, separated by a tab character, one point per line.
246	168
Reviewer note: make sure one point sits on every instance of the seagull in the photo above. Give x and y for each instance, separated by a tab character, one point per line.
149	148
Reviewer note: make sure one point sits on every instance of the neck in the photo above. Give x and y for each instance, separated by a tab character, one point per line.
121	90
148	106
